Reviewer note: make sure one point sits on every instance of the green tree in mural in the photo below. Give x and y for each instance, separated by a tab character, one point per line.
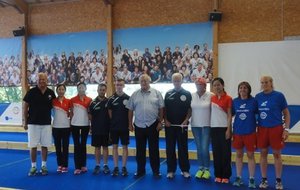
10	94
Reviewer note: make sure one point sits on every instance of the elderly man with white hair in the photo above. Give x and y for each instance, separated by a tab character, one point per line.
147	105
177	114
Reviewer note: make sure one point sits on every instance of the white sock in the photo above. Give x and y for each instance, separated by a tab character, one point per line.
44	163
33	164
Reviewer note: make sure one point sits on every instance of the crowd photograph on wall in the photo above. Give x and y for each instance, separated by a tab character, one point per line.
90	67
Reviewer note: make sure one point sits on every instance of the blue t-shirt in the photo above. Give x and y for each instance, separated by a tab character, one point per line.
270	107
245	119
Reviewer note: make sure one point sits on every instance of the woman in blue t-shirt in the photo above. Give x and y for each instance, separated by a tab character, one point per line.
273	128
244	108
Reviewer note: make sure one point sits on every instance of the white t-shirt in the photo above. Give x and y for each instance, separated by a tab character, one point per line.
201	109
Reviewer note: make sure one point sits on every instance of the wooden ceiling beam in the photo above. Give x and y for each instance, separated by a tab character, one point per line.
21	6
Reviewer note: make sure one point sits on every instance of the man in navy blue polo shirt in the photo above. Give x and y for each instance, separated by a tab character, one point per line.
99	117
118	114
37	105
176	117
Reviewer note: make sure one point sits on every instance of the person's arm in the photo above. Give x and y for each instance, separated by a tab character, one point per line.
287	121
160	118
25	115
110	113
229	127
167	122
130	119
187	117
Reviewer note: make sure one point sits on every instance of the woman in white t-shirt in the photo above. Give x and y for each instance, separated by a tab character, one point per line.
200	122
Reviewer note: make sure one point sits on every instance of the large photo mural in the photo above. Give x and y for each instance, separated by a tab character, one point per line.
161	51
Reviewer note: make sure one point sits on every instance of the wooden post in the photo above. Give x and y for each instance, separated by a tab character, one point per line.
215	42
215	49
23	9
110	82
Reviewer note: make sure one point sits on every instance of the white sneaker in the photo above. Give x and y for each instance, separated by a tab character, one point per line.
170	175
278	185
186	174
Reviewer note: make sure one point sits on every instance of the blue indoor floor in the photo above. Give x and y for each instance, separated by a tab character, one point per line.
290	148
14	166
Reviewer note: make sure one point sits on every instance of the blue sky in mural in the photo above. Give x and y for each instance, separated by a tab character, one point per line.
132	38
171	35
10	46
68	42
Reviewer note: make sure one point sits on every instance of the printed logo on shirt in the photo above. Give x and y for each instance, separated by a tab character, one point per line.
263	115
264	103
171	96
183	98
243	106
242	116
125	102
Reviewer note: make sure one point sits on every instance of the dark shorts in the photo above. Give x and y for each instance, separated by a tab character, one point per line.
122	135
100	140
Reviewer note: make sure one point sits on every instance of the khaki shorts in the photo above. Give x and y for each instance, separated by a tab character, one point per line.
39	134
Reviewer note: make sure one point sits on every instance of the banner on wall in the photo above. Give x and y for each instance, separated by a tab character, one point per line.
68	58
10	61
157	51
11	113
250	61
160	51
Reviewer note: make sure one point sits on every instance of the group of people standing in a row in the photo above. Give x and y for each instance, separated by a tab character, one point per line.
259	122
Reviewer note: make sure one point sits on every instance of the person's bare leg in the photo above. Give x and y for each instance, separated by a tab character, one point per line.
251	164
115	155
125	155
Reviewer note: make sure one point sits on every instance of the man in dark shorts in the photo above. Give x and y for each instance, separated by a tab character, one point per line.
118	114
100	128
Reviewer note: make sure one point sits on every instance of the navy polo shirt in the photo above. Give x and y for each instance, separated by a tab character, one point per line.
100	117
117	104
177	104
40	106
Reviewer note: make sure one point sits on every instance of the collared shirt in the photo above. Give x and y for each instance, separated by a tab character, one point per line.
61	110
40	105
219	108
80	110
117	104
146	106
100	118
177	104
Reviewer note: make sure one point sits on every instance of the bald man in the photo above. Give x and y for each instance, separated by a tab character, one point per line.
37	105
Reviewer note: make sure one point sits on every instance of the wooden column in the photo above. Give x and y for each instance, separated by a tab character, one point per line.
215	49
215	42
109	29
22	8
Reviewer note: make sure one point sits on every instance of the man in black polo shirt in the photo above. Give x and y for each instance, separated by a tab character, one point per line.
37	105
100	128
118	114
176	117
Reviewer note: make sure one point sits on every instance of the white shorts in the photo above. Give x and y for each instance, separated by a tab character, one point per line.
39	134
